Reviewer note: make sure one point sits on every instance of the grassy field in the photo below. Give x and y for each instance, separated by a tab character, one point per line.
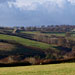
26	42
52	33
31	32
49	34
52	69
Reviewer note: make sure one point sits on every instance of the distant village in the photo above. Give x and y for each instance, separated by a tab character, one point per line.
43	28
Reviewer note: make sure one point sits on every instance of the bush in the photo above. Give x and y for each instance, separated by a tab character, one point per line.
31	60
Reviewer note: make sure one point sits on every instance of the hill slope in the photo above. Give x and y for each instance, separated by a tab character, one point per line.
26	42
54	69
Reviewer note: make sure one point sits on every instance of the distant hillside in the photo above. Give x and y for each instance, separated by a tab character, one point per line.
36	46
26	42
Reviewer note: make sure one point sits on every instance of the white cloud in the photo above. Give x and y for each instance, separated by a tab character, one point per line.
33	4
72	1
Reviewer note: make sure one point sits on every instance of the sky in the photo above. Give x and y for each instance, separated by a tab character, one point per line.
37	12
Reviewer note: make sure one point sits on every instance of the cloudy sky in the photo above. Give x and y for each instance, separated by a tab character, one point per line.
36	12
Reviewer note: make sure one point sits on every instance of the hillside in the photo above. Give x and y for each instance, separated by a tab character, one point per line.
26	42
52	69
35	47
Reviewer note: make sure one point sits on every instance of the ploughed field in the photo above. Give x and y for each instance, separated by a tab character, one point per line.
52	69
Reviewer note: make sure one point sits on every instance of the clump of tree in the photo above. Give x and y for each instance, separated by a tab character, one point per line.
51	28
61	42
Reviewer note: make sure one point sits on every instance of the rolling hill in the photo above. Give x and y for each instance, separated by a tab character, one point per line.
26	42
52	69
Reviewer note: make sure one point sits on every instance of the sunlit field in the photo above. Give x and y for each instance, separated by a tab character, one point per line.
52	69
26	42
48	34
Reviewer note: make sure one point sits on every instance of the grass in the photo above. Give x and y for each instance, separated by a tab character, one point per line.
59	34
48	34
51	33
31	32
26	42
52	69
56	33
35	32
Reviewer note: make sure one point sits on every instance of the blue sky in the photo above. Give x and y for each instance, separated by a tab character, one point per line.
36	12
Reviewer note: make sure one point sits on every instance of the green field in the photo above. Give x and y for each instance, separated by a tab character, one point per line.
26	42
31	32
52	69
48	34
51	33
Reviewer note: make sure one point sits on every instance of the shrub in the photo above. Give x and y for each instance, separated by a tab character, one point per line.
31	60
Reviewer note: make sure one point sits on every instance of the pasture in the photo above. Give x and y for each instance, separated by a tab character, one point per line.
48	34
51	69
26	42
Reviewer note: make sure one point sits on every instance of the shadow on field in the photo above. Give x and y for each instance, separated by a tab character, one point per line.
25	55
20	49
41	62
63	48
14	64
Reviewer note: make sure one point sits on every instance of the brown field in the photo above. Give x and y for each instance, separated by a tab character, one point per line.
6	46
